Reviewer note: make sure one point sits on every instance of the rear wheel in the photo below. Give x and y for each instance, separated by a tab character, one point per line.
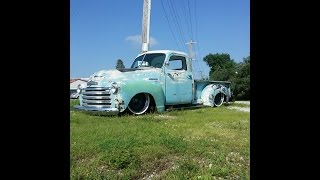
139	104
218	99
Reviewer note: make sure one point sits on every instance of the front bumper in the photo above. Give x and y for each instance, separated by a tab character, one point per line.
94	110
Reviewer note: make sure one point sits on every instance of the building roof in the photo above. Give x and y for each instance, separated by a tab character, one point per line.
74	83
76	79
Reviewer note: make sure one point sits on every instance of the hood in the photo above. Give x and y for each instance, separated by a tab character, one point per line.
105	77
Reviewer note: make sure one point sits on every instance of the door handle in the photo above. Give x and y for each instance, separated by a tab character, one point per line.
170	75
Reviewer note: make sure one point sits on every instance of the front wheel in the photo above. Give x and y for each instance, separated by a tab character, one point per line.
139	104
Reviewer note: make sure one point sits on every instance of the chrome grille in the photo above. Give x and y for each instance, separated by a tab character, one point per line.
98	97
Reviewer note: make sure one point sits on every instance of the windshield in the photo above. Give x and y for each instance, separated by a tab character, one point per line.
149	60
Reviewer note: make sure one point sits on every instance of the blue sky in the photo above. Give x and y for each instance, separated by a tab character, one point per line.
102	31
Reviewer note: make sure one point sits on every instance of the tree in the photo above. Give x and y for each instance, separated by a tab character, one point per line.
120	64
222	66
241	82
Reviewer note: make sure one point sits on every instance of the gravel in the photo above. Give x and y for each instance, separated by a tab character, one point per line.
242	102
245	109
240	108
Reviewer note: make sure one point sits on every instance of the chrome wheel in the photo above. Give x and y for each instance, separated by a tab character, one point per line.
139	104
218	99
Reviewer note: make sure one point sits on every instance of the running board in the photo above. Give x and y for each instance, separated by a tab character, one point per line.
170	108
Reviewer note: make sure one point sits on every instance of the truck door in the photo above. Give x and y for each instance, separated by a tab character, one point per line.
178	81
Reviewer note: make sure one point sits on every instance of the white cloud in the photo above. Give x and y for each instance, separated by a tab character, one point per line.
136	40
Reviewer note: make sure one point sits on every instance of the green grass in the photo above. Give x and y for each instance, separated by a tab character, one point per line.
207	143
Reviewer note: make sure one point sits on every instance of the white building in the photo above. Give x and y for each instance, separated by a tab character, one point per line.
75	82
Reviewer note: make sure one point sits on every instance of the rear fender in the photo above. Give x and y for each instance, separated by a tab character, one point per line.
210	91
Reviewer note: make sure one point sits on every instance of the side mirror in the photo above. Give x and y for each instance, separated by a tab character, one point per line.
166	63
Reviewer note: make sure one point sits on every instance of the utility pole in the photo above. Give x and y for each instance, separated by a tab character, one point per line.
191	54
146	25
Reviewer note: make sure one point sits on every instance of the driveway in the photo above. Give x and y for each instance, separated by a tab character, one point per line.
243	102
245	109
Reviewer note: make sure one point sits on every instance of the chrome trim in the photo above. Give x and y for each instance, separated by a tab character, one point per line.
153	79
96	106
95	101
95	110
96	88
95	97
96	93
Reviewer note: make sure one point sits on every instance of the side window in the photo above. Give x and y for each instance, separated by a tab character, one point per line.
177	63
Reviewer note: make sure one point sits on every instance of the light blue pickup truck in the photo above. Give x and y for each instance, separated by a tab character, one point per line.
156	81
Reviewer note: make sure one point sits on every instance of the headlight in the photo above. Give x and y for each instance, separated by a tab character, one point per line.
114	87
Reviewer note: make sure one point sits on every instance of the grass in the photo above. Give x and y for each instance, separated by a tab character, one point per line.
207	143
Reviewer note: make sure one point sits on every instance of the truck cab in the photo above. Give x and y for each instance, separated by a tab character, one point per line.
156	80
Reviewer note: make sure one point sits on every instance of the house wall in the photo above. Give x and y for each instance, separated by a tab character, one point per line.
74	85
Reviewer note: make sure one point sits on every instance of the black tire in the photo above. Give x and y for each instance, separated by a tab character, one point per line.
218	99
139	104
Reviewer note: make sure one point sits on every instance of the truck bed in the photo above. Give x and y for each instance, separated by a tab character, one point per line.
211	81
199	85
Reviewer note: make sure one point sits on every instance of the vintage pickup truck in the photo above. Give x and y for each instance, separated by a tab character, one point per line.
157	80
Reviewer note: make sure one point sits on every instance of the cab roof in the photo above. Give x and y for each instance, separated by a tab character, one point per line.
165	52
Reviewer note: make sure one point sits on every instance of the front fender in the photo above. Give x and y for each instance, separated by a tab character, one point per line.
130	89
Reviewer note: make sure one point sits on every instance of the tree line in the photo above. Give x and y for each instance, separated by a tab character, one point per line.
223	68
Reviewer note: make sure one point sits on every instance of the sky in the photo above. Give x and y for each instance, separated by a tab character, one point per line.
103	31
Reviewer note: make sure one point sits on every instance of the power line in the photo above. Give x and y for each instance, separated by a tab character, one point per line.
176	18
176	26
174	13
185	17
195	14
196	24
170	26
193	56
190	20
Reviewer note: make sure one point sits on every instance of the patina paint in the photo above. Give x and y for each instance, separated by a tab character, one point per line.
166	86
178	83
146	80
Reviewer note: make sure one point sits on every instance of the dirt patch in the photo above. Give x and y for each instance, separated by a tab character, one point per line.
242	102
164	117
160	167
240	108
